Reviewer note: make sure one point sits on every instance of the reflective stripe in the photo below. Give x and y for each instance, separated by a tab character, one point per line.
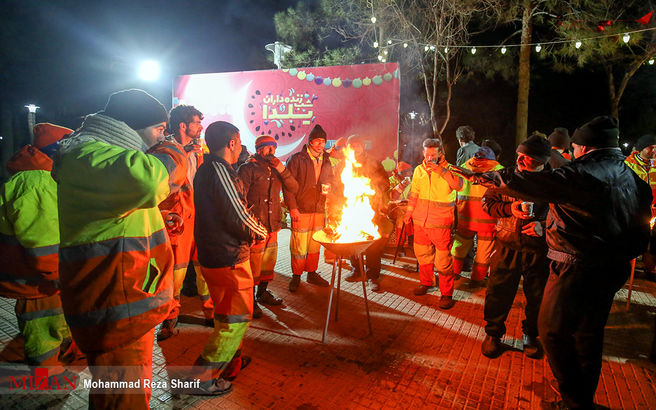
40	313
166	160
204	297
28	280
232	318
124	311
37	360
112	247
42	251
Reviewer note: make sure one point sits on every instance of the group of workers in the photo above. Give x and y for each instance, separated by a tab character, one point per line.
99	225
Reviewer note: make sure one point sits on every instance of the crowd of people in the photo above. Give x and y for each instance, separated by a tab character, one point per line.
100	224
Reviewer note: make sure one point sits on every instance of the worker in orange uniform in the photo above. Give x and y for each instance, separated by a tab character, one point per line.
178	209
473	220
115	258
224	231
431	208
29	241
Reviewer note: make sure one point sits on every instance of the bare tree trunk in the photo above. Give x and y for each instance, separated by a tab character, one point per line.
614	101
521	129
447	102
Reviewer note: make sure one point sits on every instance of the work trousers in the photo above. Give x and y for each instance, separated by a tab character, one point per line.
507	267
263	258
372	258
131	362
42	324
462	243
231	289
433	248
178	279
575	307
304	249
207	305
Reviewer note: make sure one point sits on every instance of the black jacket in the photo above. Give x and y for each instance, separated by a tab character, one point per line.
599	209
508	227
308	198
224	228
263	184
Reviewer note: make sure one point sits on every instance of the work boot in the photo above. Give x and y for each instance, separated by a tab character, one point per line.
491	347
355	276
257	311
315	279
167	329
532	346
421	290
293	284
374	285
446	302
268	298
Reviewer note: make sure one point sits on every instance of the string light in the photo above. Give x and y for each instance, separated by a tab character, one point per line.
651	61
626	37
385	52
503	50
375	44
373	19
380	58
578	44
538	48
425	48
473	50
446	50
389	41
432	48
405	45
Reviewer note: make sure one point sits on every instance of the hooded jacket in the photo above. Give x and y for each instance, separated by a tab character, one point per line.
471	215
29	227
116	263
262	185
599	209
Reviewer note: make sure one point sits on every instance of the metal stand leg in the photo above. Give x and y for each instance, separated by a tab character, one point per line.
400	243
339	283
628	298
364	291
330	300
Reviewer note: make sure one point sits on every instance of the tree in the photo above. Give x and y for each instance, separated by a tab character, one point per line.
600	26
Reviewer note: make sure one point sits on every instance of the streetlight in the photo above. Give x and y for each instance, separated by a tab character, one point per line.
279	50
31	119
149	70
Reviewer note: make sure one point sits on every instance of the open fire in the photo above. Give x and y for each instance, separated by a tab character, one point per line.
356	223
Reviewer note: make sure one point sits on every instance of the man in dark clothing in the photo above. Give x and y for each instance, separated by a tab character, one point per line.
264	176
520	251
465	136
223	233
373	170
312	169
598	221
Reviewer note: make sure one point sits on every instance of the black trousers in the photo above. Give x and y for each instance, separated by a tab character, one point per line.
507	267
372	258
574	311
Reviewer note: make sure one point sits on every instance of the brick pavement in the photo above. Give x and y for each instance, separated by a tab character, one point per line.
418	356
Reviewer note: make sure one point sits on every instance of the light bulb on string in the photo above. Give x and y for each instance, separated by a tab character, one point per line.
503	50
373	19
385	52
446	50
380	58
578	44
538	48
651	61
425	48
375	44
432	48
389	41
405	45
384	59
473	50
626	37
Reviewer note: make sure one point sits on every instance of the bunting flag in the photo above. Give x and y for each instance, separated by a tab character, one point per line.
645	19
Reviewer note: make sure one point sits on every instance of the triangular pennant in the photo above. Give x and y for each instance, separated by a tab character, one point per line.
645	19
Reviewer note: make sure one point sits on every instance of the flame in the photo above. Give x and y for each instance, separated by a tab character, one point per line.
651	222
356	224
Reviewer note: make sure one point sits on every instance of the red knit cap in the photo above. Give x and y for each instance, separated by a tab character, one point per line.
264	141
46	134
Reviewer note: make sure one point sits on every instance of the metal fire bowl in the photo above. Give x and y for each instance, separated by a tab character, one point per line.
343	250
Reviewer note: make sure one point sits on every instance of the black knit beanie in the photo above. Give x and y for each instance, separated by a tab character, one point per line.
136	108
645	141
601	132
317	132
536	147
559	138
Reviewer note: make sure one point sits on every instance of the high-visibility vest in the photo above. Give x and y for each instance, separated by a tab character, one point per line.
29	228
116	262
471	215
644	171
435	199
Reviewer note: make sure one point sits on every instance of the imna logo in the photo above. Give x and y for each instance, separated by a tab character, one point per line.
41	381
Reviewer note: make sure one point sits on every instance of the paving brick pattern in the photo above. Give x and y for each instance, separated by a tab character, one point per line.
418	356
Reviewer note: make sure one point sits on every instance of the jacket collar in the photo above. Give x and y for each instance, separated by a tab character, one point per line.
29	158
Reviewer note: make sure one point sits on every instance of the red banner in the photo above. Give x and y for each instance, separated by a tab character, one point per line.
286	104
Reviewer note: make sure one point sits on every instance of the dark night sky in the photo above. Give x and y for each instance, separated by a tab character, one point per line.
67	56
